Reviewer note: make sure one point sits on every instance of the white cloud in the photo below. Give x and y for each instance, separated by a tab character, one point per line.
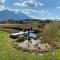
2	1
36	14
30	3
2	6
25	3
30	11
41	4
58	7
14	10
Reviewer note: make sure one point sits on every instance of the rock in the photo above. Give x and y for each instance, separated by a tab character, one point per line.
35	42
48	46
28	44
44	47
23	45
34	46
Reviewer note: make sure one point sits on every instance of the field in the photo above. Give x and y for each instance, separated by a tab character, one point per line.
7	52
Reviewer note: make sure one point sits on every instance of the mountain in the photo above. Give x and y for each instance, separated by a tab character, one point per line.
6	14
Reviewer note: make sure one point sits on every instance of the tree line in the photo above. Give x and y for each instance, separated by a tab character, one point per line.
11	21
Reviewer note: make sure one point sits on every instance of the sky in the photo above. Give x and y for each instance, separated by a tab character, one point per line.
37	9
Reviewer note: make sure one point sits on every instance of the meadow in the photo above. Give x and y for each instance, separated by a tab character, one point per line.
9	52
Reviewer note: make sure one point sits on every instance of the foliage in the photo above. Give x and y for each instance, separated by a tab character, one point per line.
50	33
10	21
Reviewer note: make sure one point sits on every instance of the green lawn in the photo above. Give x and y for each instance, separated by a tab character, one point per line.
7	52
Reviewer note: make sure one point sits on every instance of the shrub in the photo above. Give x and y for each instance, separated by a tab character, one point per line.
50	33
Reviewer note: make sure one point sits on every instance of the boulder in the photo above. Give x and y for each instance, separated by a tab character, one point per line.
44	47
35	42
34	46
23	44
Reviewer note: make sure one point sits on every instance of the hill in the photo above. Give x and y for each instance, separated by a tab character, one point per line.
6	14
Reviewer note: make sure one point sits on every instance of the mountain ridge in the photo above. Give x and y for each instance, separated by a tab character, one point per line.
6	14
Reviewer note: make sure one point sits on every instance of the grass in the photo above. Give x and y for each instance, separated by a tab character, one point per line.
7	52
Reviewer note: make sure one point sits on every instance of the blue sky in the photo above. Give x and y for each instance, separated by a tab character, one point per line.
40	9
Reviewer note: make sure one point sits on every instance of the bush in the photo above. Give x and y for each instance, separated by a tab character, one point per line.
50	33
